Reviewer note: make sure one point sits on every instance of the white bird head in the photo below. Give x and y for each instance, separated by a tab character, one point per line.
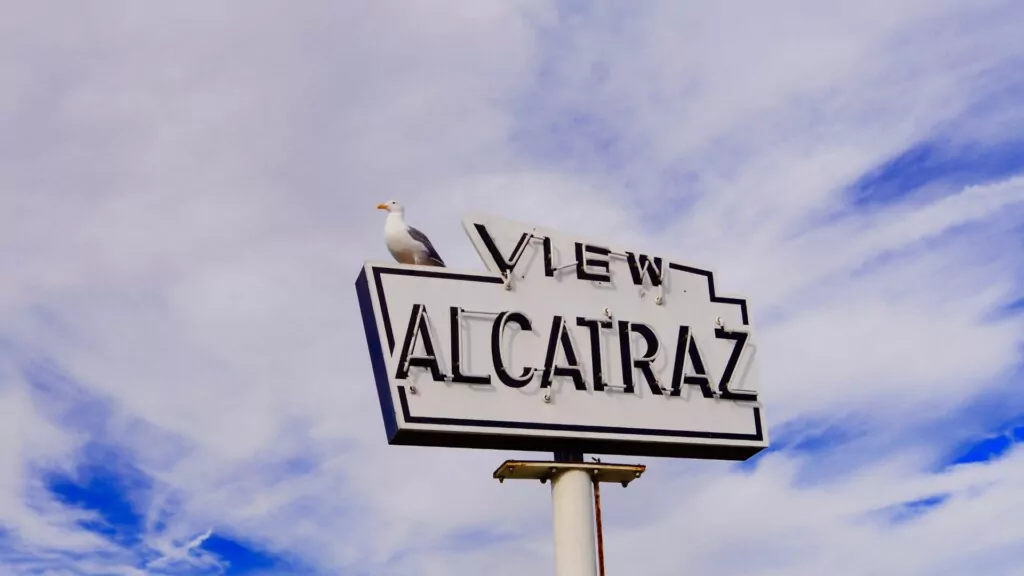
391	207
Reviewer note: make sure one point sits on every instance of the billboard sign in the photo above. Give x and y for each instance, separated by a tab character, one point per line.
563	344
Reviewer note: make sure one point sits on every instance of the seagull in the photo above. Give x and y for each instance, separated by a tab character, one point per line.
407	244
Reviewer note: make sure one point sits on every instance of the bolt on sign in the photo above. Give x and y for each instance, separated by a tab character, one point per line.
564	343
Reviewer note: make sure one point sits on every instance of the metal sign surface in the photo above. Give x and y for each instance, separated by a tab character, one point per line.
563	344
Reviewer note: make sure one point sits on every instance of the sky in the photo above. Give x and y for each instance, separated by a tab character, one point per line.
187	194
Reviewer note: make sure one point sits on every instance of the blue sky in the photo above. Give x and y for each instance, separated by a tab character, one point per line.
183	381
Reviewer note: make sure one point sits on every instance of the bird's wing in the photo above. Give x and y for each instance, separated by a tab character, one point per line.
422	239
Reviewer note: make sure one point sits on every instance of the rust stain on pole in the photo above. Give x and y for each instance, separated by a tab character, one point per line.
597	517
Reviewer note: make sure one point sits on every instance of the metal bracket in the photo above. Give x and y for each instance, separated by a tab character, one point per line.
544	471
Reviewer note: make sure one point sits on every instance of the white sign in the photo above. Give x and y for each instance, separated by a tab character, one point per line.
563	344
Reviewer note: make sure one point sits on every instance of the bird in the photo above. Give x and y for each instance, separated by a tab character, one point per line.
407	244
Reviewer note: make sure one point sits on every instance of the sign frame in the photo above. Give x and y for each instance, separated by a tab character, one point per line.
403	427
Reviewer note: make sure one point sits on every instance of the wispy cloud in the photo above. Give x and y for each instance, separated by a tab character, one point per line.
186	195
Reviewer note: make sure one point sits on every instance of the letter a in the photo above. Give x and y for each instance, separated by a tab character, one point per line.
418	327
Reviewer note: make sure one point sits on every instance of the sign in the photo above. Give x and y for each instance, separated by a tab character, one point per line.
563	344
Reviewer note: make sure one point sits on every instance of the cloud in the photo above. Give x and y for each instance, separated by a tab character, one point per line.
761	524
186	196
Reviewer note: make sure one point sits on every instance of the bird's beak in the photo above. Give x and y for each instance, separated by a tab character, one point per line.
382	206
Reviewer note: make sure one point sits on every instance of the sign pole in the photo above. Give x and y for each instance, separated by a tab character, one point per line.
572	499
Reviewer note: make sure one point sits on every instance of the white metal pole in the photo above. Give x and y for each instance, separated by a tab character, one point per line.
572	494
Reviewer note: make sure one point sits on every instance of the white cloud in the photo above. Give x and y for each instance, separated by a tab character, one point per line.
185	199
761	523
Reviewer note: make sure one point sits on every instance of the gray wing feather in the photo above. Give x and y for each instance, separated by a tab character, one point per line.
422	238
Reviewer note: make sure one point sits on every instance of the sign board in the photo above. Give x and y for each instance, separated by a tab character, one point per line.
563	344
